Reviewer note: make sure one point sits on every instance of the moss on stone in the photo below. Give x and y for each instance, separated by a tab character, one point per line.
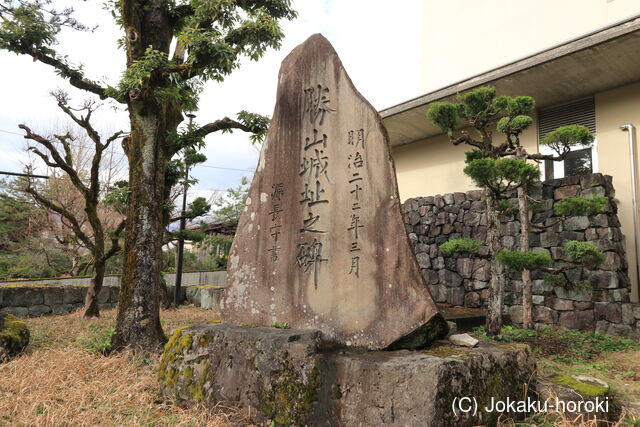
186	341
204	340
214	321
513	346
288	399
14	336
174	349
185	382
336	392
197	389
188	374
445	350
44	285
585	388
498	382
12	329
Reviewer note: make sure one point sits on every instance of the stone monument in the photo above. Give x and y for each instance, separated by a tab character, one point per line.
322	243
322	246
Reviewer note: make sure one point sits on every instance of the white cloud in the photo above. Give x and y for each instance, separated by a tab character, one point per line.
379	44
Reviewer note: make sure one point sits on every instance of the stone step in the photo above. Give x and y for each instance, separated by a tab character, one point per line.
465	318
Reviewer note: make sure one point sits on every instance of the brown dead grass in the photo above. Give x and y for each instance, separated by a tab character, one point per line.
621	370
58	382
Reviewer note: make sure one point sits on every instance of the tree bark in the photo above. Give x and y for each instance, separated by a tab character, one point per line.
525	229
165	298
147	25
496	284
91	306
138	318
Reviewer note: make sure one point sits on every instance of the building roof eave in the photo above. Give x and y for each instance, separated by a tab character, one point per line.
595	62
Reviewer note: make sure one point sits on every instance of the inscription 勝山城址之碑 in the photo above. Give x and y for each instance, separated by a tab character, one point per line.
316	103
310	256
314	172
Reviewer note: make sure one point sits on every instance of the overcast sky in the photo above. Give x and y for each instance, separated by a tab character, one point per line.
379	45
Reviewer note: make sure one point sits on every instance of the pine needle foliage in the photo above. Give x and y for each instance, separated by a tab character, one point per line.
519	261
462	246
584	252
579	206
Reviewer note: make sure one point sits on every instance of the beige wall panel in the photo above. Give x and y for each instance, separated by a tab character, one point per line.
434	165
431	166
524	27
614	108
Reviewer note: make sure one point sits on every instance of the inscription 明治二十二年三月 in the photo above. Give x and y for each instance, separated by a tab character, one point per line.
356	139
274	229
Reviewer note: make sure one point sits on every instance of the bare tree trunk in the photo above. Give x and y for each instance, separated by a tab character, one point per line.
165	298
91	307
152	119
496	284
138	319
525	229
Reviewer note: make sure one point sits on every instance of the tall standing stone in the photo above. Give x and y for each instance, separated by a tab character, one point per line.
322	243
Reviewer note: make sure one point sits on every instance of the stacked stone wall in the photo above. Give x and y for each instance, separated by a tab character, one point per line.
601	303
34	301
38	300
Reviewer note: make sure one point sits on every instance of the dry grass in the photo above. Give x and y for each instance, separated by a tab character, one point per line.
558	419
621	370
58	382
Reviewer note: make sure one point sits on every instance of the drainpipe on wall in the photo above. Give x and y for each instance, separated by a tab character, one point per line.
633	154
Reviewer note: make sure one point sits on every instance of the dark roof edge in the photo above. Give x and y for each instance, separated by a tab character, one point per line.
584	41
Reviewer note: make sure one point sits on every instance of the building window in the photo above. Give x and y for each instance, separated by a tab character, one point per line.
581	160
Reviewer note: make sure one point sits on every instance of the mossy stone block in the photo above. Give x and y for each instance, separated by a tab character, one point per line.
14	336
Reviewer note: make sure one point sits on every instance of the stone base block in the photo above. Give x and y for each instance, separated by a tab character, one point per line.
290	377
204	296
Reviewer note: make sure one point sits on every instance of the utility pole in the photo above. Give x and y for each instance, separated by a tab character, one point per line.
183	223
28	175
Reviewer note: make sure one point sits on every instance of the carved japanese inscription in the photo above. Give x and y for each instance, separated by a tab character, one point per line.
322	243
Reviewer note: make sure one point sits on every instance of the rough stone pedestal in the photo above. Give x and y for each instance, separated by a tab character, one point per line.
290	377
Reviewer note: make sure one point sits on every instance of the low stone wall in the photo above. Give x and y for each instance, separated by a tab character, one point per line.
39	300
464	282
34	301
193	278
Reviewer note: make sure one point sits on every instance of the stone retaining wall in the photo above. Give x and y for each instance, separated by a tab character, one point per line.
191	278
38	300
464	282
34	301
